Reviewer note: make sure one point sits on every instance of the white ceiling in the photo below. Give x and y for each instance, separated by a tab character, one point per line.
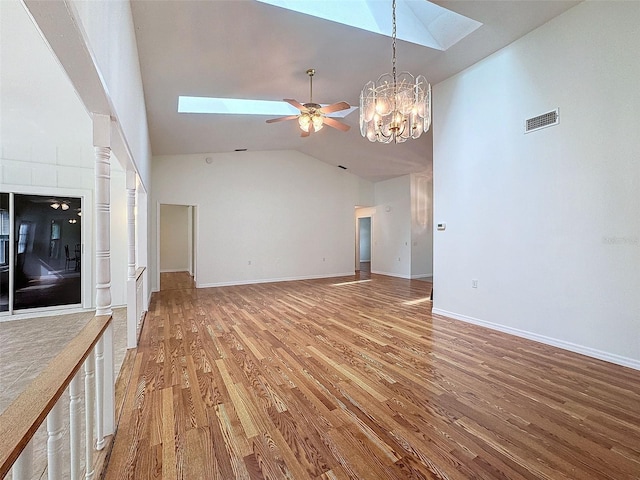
247	49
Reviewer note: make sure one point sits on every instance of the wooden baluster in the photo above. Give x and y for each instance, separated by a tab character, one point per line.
89	396
99	381
23	467
54	442
75	426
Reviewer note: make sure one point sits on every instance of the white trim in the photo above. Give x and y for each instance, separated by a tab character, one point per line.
272	280
422	275
572	347
175	270
31	313
397	275
87	241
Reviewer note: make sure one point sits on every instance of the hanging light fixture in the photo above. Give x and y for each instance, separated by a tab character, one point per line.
312	116
396	107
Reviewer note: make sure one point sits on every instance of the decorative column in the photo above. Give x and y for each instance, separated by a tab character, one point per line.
23	467
105	421
131	223
102	148
89	403
132	304
99	353
54	442
75	426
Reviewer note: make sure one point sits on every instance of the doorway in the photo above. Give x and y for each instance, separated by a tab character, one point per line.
363	245
177	240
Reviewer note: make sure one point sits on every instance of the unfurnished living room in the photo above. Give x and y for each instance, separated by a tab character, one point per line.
367	239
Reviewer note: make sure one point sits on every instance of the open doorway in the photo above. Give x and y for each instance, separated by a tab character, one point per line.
177	242
363	245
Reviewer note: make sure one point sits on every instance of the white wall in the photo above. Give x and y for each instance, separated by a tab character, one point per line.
392	228
288	214
365	239
548	222
46	140
174	238
421	225
118	240
110	36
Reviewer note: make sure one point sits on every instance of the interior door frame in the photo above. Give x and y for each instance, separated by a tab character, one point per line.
363	212
192	234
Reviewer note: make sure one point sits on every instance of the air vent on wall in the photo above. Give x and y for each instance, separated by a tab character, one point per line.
542	121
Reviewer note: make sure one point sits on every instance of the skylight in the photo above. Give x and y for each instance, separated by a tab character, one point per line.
237	106
419	21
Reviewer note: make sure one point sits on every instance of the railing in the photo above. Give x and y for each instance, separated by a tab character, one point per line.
135	312
43	399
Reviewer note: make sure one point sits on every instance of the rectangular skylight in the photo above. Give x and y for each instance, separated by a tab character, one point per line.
237	106
418	21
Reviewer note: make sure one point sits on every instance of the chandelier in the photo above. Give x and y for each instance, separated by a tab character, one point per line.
396	107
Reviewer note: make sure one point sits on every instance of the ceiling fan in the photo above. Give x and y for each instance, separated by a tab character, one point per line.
313	115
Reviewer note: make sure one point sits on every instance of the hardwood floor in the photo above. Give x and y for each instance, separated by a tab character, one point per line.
354	378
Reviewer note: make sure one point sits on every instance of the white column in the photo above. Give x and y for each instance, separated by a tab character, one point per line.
100	381
109	385
131	223
54	442
102	149
89	396
132	307
75	427
23	467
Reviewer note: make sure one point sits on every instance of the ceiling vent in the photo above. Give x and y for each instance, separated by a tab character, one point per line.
542	121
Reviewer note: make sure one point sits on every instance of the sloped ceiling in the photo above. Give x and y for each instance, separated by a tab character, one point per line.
246	49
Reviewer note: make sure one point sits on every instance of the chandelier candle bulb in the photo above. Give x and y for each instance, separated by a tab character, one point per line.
396	107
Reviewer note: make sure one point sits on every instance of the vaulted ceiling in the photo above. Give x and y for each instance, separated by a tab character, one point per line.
247	49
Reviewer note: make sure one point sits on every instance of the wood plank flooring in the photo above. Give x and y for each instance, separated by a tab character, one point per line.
353	378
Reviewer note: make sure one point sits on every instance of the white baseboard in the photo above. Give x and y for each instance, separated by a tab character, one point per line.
174	270
389	274
421	275
554	342
271	280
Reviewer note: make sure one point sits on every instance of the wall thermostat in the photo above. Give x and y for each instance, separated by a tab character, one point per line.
442	226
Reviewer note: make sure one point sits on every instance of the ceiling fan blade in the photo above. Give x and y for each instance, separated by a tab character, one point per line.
332	122
304	134
282	119
336	107
296	104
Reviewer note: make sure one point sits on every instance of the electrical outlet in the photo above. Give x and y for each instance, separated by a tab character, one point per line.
249	262
474	283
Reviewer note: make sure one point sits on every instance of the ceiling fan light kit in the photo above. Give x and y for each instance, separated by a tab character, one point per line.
312	116
396	107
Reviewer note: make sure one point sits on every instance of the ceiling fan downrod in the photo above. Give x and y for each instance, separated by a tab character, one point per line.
311	72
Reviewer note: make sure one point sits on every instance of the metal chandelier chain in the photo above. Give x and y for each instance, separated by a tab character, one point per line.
393	36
